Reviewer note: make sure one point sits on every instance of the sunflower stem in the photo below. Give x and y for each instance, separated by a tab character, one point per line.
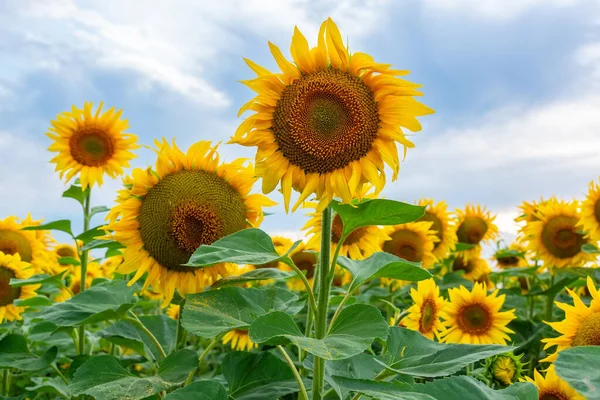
60	374
84	259
339	309
324	286
136	321
550	300
309	290
181	333
295	371
6	382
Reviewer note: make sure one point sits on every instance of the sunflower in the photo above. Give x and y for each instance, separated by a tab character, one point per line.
240	340
590	212
424	315
63	295
31	246
91	144
475	317
12	267
552	387
110	265
475	268
475	225
282	245
529	213
556	238
437	214
305	258
504	369
581	326
65	250
190	200
329	122
93	271
173	311
514	256
413	241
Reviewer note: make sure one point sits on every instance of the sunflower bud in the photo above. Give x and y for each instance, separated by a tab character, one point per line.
504	369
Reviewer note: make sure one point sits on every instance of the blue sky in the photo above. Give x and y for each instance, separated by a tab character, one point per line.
515	85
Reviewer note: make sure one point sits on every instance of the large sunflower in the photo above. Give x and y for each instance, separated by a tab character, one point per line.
305	258
590	212
413	241
529	213
12	267
424	314
329	121
190	200
581	326
438	214
475	317
31	246
475	225
91	144
555	237
239	339
552	387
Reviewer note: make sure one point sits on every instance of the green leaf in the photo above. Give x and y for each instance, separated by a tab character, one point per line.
580	367
555	289
248	246
381	390
68	261
36	301
257	376
177	366
375	212
101	243
382	265
467	388
105	301
15	354
54	385
103	378
98	210
463	246
200	390
211	313
260	274
75	192
590	249
411	353
88	236
41	279
354	330
63	225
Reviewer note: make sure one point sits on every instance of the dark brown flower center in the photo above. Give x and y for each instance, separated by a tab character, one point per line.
66	252
597	211
325	120
588	333
552	395
91	146
405	244
459	264
428	314
474	319
306	261
508	262
7	293
472	230
13	242
435	226
561	238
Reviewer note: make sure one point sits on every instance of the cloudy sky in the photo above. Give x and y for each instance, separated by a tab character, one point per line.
515	85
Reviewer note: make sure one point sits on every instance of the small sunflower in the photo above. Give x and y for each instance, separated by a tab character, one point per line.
31	246
91	144
110	265
556	238
424	314
413	241
581	326
552	387
514	256
11	267
190	200
173	311
475	317
437	214
63	295
305	258
475	268
504	369
590	212
240	340
93	271
329	122
475	226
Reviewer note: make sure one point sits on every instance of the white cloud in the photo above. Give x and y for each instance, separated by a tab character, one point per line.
494	9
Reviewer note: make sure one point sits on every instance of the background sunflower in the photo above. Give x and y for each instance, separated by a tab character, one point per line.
424	315
412	242
442	224
12	267
31	246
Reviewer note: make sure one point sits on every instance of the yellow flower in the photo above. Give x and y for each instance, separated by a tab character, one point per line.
504	369
413	241
556	238
552	387
91	144
590	212
11	267
93	271
424	314
110	265
190	200
63	295
282	245
475	317
512	257
581	326
173	311
475	268
437	213
329	122
31	246
475	225
305	258
240	340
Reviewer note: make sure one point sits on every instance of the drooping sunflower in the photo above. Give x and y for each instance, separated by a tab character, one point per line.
12	267
328	122
581	326
556	237
590	212
413	241
240	340
305	258
475	318
475	225
91	144
190	200
424	314
31	246
514	256
552	387
475	268
441	220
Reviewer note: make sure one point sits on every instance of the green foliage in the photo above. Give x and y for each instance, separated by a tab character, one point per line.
14	353
580	367
63	225
75	192
200	390
260	274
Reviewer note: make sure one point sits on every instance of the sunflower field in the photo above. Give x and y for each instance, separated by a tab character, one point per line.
176	293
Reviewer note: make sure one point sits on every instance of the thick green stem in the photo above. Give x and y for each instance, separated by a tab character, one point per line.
550	301
311	296
181	334
83	265
136	321
324	286
6	382
296	374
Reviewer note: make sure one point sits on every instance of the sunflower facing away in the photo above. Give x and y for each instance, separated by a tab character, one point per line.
475	268
590	212
475	225
556	237
240	340
11	267
424	314
581	326
305	258
437	214
31	246
552	387
329	121
91	144
190	200
475	318
413	241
